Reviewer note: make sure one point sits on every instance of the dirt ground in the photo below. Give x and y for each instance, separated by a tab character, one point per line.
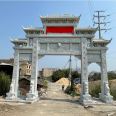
56	103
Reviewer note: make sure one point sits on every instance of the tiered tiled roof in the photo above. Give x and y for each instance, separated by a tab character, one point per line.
60	19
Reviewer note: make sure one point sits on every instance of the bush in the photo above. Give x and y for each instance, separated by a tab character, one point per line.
49	78
45	83
113	93
57	75
70	92
64	73
95	89
96	76
4	83
75	74
112	89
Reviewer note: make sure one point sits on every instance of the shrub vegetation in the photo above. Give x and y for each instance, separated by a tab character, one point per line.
71	92
4	83
64	73
95	89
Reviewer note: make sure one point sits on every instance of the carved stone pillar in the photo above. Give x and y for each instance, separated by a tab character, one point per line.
105	91
33	93
85	97
13	93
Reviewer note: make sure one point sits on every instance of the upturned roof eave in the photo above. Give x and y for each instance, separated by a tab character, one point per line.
19	41
102	41
60	17
32	29
86	29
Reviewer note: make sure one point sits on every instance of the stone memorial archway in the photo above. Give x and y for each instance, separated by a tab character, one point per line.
60	35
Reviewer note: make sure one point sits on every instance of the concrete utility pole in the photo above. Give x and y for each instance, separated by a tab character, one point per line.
101	23
70	73
70	70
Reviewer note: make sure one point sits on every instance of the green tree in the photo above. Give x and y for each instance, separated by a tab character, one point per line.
4	83
75	74
66	72
57	75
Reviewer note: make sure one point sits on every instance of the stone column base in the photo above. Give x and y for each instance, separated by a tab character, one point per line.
11	96
32	97
106	98
85	99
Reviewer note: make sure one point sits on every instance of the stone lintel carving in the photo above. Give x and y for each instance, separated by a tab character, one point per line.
25	57
78	56
59	48
94	58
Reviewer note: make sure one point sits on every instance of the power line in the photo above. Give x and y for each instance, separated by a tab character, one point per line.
101	23
66	64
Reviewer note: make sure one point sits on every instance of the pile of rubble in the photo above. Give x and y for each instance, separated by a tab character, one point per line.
66	82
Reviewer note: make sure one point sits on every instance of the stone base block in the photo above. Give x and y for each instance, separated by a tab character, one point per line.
31	97
106	98
85	99
11	96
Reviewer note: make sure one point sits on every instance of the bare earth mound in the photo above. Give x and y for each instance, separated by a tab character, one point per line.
63	81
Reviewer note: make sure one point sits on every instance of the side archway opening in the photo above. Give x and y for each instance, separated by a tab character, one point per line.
94	77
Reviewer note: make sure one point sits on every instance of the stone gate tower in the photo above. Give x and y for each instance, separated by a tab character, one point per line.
60	35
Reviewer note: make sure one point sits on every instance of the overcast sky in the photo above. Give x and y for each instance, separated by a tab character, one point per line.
15	14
